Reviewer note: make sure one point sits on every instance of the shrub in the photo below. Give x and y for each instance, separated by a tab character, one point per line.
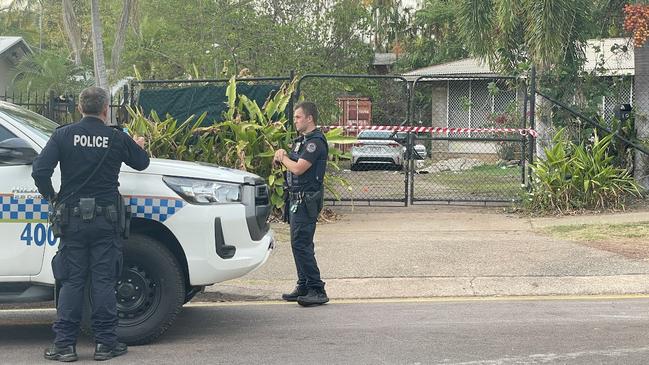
576	177
246	139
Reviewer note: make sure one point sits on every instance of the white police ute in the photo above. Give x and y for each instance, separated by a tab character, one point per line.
193	225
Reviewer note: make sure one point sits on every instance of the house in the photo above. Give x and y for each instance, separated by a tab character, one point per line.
12	49
469	94
383	63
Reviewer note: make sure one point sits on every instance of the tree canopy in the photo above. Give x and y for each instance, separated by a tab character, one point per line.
220	38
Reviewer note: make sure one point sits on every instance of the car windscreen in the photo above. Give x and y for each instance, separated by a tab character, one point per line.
34	122
381	135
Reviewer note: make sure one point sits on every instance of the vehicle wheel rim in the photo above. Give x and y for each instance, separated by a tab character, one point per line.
138	295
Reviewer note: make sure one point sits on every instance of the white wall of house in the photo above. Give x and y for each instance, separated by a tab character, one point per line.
5	71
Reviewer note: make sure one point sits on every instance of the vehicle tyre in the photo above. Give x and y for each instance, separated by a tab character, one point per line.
354	167
150	292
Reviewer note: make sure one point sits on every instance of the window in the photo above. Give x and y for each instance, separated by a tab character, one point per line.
471	104
35	122
5	134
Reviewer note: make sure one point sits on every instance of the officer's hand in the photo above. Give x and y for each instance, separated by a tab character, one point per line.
279	155
139	140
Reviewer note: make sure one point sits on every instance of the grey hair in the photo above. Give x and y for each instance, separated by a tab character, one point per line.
93	100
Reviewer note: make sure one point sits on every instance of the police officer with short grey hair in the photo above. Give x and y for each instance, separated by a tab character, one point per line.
90	217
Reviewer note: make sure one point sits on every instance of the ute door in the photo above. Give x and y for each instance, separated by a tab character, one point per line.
24	232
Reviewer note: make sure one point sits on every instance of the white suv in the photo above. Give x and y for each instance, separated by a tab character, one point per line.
193	225
383	147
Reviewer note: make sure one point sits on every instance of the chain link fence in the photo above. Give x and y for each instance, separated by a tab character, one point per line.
597	99
639	120
640	106
470	170
465	163
456	162
378	166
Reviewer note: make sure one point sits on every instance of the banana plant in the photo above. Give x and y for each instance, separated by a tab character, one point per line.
245	139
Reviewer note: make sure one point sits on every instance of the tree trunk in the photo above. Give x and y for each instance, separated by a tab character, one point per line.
543	119
72	30
543	126
641	109
120	35
101	80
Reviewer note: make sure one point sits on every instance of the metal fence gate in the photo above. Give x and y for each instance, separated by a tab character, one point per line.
478	143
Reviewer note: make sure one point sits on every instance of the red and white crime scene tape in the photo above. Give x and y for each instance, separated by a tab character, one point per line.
438	130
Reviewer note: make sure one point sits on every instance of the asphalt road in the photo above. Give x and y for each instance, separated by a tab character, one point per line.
483	331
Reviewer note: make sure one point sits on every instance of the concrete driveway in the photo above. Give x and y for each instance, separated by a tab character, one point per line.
428	251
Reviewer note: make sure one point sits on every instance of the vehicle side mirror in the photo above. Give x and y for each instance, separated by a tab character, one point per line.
16	151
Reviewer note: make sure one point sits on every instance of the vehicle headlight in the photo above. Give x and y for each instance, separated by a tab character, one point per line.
197	191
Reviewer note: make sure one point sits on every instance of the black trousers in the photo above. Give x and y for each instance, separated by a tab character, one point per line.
302	232
87	250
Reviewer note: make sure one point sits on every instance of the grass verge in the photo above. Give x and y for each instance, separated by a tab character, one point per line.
630	239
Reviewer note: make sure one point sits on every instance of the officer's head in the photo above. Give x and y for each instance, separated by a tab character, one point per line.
93	101
305	116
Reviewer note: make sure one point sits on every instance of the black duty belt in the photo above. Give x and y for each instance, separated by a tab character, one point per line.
99	210
297	195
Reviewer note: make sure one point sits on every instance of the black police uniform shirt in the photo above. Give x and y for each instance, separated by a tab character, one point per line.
79	147
313	148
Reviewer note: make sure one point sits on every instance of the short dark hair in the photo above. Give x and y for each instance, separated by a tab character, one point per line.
308	108
93	100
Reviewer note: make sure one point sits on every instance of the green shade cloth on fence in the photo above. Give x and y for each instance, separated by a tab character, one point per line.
184	102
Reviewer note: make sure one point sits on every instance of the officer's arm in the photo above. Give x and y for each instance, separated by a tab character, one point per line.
136	156
313	151
43	168
296	167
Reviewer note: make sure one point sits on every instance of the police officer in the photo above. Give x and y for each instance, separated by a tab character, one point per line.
306	164
88	205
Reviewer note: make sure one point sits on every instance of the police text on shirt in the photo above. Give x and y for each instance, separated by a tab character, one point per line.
90	141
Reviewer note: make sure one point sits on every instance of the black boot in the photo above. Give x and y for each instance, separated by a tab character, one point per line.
104	352
65	354
292	296
313	297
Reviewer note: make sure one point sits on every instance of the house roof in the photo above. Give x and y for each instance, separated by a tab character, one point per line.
465	67
8	43
384	59
614	54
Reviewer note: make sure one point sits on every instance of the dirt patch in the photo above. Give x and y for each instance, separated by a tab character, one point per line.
632	248
629	240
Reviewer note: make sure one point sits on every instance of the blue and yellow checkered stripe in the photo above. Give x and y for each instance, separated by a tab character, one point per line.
14	209
22	210
159	209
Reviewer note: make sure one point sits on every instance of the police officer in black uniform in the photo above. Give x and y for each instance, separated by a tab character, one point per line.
89	217
306	164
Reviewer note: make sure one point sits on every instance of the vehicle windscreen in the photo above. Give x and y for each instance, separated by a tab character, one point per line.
381	135
32	121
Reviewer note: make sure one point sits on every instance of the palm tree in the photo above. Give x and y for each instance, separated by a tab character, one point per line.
101	80
544	33
72	30
128	8
73	33
45	72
